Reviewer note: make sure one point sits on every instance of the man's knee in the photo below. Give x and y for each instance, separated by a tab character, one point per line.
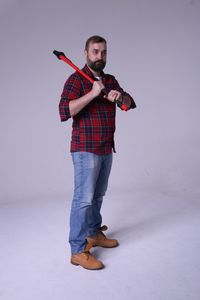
86	200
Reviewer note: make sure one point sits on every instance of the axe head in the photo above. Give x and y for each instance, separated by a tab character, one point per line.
58	54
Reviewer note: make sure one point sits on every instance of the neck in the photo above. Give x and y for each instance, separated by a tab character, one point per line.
95	73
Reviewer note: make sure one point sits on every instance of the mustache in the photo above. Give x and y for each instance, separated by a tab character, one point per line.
99	61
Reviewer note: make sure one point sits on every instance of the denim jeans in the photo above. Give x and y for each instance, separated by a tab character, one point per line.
91	173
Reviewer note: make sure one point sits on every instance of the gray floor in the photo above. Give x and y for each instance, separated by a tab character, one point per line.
158	256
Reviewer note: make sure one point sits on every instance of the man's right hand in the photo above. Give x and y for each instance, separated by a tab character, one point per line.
97	88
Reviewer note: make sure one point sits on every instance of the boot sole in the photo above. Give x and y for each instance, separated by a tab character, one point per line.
106	246
75	264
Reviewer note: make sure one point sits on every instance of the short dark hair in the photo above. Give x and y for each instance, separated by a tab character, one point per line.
94	39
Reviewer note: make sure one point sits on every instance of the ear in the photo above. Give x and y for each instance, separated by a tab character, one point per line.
85	52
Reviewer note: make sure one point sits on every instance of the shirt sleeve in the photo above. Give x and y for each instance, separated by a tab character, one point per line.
71	91
118	88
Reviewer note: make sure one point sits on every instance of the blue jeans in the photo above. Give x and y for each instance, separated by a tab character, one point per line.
91	173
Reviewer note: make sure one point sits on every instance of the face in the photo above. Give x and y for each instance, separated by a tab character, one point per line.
96	56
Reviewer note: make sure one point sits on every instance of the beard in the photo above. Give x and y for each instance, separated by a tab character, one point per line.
97	66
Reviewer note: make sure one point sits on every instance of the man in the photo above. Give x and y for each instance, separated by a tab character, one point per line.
92	144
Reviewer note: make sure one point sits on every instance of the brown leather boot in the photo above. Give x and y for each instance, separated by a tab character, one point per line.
101	240
86	260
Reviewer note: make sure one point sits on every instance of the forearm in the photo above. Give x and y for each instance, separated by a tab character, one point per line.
76	105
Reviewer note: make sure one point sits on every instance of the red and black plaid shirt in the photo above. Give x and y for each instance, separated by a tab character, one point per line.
94	126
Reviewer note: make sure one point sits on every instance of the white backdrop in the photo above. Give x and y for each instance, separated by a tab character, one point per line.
154	52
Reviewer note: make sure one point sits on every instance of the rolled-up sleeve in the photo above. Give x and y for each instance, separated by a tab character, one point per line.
124	94
71	91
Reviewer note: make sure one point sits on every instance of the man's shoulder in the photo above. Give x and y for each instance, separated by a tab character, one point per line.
109	77
75	75
73	80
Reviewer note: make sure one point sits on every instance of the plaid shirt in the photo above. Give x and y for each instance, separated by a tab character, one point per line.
94	126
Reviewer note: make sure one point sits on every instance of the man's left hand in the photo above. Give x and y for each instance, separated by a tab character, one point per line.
113	95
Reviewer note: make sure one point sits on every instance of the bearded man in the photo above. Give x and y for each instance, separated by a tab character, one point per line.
92	147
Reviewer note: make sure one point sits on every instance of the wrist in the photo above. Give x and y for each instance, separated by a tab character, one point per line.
92	94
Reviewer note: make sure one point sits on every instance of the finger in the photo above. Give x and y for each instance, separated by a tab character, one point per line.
114	96
118	95
111	96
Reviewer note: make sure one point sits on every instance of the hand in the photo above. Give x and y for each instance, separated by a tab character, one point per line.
97	88
113	95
